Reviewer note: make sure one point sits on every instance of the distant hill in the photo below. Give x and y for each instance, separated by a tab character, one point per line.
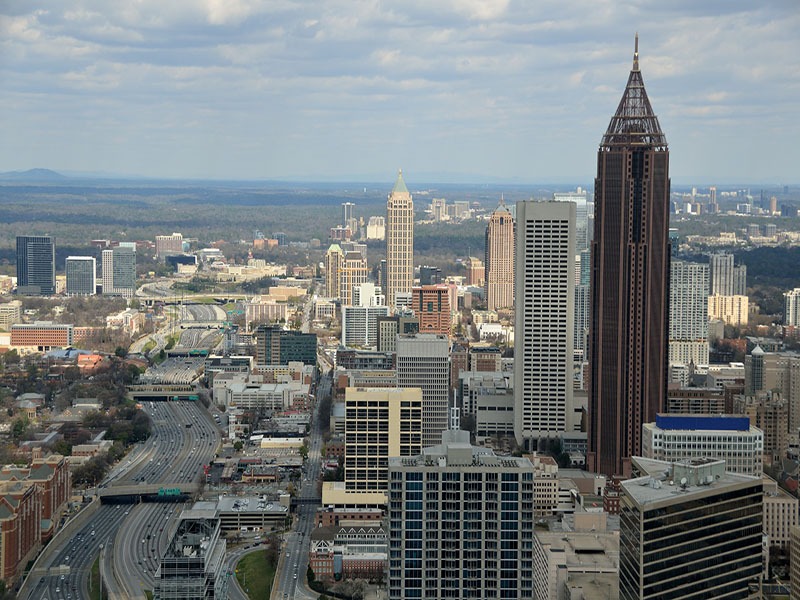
38	175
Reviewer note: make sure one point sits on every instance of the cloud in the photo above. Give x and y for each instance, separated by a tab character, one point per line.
508	88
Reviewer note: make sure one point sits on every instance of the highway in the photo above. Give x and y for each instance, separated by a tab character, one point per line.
168	457
144	535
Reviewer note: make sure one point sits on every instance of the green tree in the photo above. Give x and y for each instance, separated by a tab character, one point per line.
238	446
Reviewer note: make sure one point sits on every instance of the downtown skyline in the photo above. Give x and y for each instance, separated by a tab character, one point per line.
466	92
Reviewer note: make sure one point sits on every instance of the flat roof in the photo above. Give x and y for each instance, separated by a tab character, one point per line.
254	504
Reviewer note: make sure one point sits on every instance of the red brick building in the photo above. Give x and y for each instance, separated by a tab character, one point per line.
327	517
41	335
431	305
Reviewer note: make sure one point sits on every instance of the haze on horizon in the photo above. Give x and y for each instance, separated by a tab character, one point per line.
462	90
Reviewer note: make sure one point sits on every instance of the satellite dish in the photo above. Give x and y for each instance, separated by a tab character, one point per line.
683	481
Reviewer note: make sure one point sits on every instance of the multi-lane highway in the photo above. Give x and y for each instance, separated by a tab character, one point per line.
173	454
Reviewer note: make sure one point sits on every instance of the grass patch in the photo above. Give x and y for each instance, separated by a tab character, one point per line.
148	346
255	575
229	306
94	589
203	300
148	594
171	341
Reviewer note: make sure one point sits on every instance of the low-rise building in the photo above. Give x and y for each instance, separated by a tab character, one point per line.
41	336
351	549
780	514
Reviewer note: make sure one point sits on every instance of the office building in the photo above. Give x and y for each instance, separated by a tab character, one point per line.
42	336
389	327
423	361
780	514
379	423
581	216
81	275
695	400
167	245
431	306
347	213
489	397
119	272
775	371
630	275
576	565
333	267
193	565
675	437
399	241
731	310
544	320
36	265
376	228
360	324
488	358
364	360
10	313
768	411
725	278
460	523
694	532
430	275
475	272
688	313
276	346
791	308
353	272
499	263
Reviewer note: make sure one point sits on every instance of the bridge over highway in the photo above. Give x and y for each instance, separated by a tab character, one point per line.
148	492
151	392
190	298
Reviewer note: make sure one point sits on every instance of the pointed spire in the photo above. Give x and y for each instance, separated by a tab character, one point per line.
634	123
502	200
399	186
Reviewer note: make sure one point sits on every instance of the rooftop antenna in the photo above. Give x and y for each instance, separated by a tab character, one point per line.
636	53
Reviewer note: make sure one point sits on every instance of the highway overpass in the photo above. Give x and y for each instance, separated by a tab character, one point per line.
150	393
147	492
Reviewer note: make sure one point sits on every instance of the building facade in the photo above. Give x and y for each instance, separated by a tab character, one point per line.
475	272
81	273
694	533
630	275
688	313
423	361
791	308
42	335
353	272
379	423
725	278
276	346
119	272
36	265
544	319
675	437
431	306
731	310
775	371
399	241
360	324
460	523
168	245
499	263
333	267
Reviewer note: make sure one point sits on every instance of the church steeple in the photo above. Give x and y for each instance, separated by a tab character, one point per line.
634	123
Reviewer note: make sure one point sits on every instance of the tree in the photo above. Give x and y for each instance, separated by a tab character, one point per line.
238	445
62	447
120	352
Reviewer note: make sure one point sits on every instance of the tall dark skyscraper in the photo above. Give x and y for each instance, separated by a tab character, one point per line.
36	265
630	281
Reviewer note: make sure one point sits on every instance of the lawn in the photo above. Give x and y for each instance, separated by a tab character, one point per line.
255	574
94	589
148	346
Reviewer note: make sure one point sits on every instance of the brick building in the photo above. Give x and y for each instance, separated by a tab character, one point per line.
431	305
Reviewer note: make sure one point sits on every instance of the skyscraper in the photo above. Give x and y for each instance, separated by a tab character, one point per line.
81	275
499	263
423	361
726	280
431	305
630	274
333	266
544	319
461	523
791	308
399	241
581	216
119	272
36	265
688	313
347	213
352	273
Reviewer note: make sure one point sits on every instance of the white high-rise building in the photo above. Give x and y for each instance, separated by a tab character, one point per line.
726	280
544	319
423	361
688	313
360	324
81	272
791	308
399	241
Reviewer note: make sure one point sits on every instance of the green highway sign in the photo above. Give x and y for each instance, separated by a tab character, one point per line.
169	491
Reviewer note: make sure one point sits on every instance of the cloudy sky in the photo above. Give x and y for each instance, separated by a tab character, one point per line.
459	90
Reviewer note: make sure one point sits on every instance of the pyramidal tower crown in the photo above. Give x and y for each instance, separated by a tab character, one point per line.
634	123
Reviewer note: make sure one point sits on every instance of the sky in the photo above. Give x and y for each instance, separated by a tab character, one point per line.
447	90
